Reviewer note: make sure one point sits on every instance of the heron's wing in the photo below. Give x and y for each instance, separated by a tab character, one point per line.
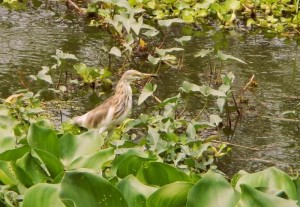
95	117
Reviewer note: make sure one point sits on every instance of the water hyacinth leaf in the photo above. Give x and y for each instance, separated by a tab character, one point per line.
171	195
224	57
82	189
131	165
51	162
42	194
12	174
214	120
212	190
32	167
149	172
94	161
183	39
168	22
43	139
147	91
135	192
252	197
191	132
119	160
73	146
153	60
203	53
115	51
271	178
14	154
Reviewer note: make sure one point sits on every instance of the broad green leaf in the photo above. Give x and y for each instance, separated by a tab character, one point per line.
43	139
11	174
74	146
131	165
7	138
168	22
153	60
120	159
52	163
190	87
147	91
14	154
167	101
94	161
251	197
135	192
272	178
149	172
203	53
223	56
212	190
191	131
42	75
171	195
188	15
220	103
33	169
183	39
115	51
42	194
82	189
163	52
214	120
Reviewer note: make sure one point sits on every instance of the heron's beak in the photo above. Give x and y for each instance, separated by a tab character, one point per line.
148	75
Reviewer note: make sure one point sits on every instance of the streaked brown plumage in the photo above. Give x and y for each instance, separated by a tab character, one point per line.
116	108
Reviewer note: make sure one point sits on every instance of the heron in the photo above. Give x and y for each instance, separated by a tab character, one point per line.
115	109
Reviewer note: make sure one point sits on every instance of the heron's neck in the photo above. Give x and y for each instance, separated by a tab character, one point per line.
123	88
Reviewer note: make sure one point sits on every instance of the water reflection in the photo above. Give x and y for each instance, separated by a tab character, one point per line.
29	39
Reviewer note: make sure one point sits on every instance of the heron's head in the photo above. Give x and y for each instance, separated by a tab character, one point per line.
134	75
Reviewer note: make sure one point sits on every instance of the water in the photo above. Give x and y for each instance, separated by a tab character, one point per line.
28	39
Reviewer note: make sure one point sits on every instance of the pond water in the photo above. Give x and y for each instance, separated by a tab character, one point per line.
28	39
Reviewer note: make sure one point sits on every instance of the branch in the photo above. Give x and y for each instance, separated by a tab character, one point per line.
71	4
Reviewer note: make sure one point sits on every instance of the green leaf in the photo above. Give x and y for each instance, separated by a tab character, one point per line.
74	146
212	190
31	166
251	197
42	194
221	102
190	87
115	51
153	60
171	195
11	174
82	189
168	22
183	39
51	162
42	75
43	139
214	120
271	178
147	91
14	154
224	57
94	161
131	165
149	172
135	192
203	52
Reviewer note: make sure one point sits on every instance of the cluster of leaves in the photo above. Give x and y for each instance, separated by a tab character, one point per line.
54	169
278	16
